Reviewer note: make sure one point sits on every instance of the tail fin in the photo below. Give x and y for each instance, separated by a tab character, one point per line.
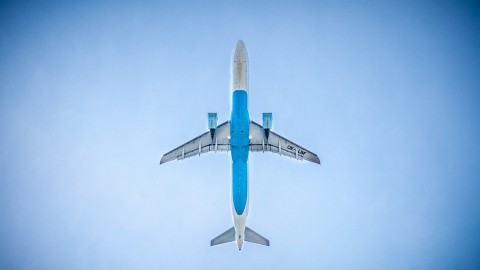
253	237
250	236
225	237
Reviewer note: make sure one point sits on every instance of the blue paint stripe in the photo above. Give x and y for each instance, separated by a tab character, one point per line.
239	186
239	142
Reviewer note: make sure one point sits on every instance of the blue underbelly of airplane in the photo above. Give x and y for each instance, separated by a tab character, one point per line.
239	143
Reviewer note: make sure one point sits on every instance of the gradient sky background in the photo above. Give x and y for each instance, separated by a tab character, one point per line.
92	94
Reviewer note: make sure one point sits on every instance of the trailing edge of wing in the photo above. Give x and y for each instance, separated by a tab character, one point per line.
201	144
278	144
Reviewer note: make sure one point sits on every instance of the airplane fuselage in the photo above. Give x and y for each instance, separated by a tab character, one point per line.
239	141
240	136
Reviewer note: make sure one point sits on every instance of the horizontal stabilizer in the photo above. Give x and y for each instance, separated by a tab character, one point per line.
225	237
253	237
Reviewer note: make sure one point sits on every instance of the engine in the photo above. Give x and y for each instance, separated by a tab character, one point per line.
212	123
267	120
267	123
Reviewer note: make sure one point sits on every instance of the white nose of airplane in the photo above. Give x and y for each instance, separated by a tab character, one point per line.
240	46
240	67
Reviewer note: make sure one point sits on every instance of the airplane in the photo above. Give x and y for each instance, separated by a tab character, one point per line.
239	136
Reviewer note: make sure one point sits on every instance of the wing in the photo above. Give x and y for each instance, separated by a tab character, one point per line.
206	142
277	144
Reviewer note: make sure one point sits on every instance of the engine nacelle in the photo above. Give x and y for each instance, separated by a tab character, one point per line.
267	120
212	123
212	120
267	124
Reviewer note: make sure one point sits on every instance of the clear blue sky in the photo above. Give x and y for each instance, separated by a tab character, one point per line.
92	94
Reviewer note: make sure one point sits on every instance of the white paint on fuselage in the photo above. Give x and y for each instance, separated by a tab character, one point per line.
239	76
239	222
239	70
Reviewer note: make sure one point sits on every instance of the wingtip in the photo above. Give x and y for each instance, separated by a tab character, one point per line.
162	160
